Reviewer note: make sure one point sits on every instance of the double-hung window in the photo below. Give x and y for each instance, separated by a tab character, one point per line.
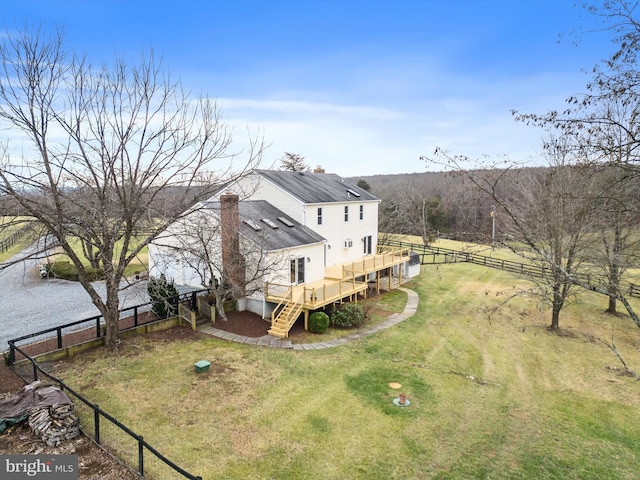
319	215
346	213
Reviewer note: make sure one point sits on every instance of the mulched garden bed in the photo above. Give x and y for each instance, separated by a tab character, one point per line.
252	325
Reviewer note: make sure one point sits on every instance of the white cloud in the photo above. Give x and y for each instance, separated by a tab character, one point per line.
351	140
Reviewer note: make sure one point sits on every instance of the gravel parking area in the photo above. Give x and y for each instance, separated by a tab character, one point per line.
29	303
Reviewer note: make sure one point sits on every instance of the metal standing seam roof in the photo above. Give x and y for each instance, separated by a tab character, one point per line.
252	213
317	187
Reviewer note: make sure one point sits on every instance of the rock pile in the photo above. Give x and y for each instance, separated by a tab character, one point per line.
54	424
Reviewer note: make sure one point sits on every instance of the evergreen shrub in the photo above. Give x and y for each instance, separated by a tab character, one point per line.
318	322
162	295
68	271
348	315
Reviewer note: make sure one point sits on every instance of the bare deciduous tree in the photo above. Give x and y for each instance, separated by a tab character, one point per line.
604	126
111	154
550	217
617	221
412	206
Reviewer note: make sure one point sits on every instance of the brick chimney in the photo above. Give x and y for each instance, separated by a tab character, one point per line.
318	169
233	264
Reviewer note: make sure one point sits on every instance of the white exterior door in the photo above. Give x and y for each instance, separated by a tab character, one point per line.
368	240
297	270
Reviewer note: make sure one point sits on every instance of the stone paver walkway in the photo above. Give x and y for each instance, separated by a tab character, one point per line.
269	341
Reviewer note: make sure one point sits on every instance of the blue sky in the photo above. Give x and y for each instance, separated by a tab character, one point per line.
360	87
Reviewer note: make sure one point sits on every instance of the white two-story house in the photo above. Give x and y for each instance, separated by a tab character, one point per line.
306	240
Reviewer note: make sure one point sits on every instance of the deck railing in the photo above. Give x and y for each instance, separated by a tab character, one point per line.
386	257
277	290
331	291
285	298
341	280
297	301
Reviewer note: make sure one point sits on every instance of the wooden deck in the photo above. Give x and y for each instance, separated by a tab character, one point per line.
341	282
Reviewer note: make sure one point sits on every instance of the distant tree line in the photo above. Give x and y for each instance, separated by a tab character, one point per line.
431	205
577	215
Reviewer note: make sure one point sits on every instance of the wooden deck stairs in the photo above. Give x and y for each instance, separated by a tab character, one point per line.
288	313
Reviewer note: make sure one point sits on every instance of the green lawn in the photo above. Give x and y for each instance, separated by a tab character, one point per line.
499	252
8	226
138	264
494	394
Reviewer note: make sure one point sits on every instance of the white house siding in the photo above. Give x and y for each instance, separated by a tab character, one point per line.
173	266
164	258
313	264
258	188
336	230
161	262
333	227
316	256
281	276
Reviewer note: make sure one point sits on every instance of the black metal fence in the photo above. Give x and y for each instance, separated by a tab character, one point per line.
103	428
113	435
61	332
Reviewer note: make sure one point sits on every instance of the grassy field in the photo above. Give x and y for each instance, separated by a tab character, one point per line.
493	394
9	225
499	252
138	264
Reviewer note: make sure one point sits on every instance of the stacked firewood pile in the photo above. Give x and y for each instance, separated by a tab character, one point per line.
54	424
47	409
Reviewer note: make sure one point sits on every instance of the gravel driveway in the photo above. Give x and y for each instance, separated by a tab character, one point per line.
29	303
